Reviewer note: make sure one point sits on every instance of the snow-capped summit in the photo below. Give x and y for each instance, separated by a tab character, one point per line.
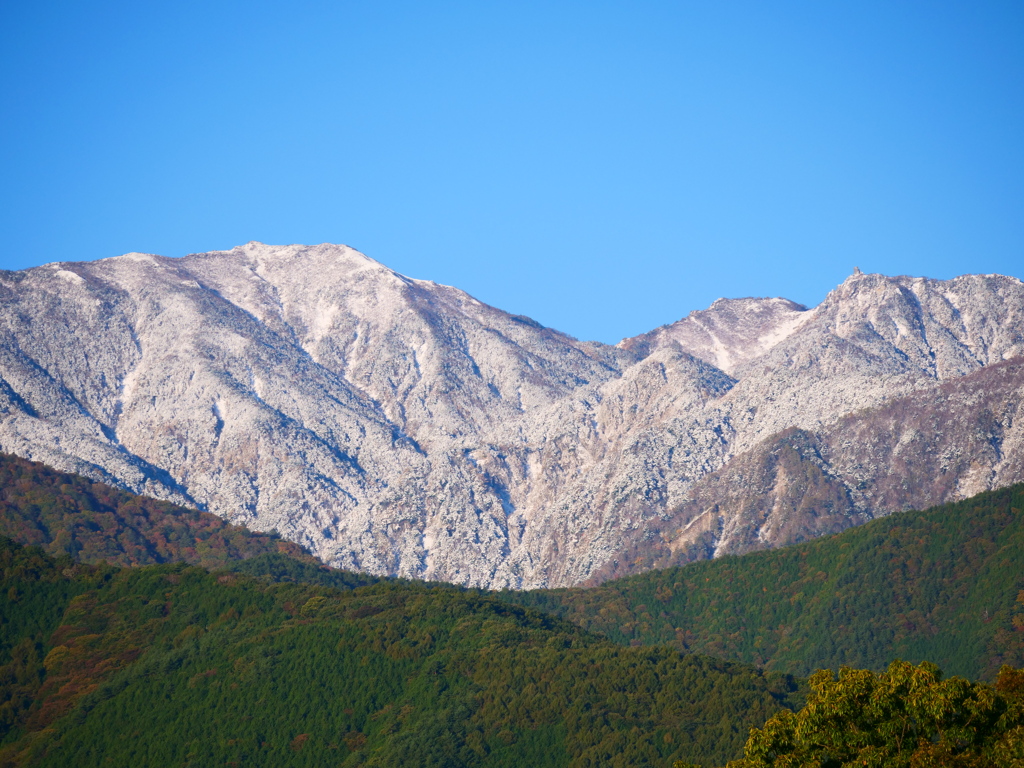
400	426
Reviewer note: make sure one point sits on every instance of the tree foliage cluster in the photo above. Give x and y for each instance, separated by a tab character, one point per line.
175	665
905	717
945	585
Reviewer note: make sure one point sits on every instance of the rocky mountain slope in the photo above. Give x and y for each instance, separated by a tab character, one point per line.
398	426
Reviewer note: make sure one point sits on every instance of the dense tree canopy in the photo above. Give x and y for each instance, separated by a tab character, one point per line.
945	585
277	660
94	522
174	665
906	717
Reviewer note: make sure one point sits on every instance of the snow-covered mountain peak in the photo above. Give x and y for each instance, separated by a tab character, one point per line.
943	328
401	426
729	333
326	262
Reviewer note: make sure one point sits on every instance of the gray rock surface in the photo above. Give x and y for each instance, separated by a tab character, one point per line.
399	426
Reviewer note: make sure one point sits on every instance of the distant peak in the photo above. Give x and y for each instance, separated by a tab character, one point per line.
858	276
331	250
752	303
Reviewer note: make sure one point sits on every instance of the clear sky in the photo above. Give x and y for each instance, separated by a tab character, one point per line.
604	167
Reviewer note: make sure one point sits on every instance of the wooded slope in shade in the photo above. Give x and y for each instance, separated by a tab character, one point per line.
93	522
174	665
945	585
67	514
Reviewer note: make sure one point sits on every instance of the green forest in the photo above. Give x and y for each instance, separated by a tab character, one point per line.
945	586
134	632
176	665
67	514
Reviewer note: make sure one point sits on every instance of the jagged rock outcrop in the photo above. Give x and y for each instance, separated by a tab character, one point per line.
399	426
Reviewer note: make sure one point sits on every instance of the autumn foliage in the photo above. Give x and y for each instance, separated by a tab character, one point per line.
905	717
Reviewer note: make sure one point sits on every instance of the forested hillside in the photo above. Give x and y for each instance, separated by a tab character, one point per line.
945	585
94	522
174	665
277	660
67	514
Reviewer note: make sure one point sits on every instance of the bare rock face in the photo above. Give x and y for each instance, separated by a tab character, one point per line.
399	426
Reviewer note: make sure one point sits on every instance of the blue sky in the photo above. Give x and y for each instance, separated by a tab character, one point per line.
604	167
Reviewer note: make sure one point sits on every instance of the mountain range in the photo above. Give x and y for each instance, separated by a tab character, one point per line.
397	426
